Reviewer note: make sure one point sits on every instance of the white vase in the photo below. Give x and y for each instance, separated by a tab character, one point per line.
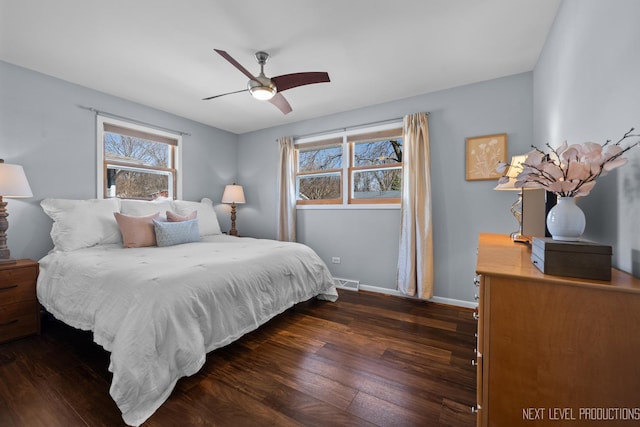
565	220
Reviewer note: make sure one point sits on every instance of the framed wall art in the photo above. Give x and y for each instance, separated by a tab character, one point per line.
483	155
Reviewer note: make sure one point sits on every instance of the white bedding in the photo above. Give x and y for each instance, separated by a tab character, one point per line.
160	310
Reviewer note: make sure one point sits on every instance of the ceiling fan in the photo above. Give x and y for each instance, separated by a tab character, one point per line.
269	89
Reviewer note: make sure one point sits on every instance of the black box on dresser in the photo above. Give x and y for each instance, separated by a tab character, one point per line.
583	259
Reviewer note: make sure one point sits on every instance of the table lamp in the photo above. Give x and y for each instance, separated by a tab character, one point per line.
515	167
13	183
233	194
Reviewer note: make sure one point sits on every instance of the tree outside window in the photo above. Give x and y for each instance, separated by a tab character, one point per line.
319	174
137	164
376	170
372	163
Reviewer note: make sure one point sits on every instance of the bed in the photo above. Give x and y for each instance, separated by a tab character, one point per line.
159	310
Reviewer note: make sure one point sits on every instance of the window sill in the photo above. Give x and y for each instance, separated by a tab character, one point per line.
352	206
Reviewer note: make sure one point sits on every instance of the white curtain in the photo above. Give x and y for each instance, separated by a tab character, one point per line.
287	191
415	260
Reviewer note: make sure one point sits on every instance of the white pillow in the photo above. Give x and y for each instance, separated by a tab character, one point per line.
146	207
82	223
207	219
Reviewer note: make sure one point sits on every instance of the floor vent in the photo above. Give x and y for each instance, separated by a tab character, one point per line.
348	284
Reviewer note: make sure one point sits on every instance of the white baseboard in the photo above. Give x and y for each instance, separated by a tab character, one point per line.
439	300
456	302
379	290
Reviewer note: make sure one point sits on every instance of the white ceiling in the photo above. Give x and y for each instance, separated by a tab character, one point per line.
160	52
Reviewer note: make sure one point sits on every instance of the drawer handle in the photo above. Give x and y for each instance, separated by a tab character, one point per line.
8	287
476	316
474	409
10	322
473	362
476	297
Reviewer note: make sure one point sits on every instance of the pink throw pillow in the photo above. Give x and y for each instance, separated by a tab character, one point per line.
174	217
137	231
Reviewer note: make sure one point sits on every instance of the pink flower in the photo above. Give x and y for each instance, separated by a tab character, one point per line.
570	154
553	170
578	171
611	150
592	152
585	188
502	168
570	170
610	165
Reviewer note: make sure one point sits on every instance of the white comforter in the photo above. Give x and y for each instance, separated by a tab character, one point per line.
160	310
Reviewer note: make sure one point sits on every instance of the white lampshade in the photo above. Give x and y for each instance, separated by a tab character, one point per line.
233	194
13	181
515	167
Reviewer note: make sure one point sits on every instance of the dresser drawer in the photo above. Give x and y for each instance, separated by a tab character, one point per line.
18	284
19	320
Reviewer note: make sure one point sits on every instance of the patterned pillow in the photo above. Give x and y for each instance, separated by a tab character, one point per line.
176	233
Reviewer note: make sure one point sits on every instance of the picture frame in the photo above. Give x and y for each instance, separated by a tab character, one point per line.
483	153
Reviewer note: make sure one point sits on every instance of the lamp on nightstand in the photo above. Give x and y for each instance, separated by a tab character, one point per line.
233	194
13	183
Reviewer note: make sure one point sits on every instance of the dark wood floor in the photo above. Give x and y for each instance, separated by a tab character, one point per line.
366	360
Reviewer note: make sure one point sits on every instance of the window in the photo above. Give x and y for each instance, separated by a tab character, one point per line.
375	170
137	162
371	159
319	172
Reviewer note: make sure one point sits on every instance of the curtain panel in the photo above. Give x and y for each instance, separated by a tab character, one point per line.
287	191
415	260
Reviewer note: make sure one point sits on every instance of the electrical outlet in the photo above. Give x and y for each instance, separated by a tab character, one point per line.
335	260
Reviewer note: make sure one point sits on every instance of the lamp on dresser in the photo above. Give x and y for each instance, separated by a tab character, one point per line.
13	184
233	194
515	167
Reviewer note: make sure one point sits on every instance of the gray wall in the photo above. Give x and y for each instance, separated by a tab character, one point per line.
367	240
43	129
586	87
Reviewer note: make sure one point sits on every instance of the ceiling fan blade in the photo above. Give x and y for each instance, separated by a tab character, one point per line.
289	81
223	94
236	64
283	105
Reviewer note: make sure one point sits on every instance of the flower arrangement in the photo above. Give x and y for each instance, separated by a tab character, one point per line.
570	170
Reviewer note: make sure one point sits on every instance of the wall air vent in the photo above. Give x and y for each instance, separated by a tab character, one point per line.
351	285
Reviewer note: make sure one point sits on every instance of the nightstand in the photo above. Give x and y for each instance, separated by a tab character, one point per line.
19	308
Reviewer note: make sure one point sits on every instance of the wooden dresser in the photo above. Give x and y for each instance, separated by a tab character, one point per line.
19	308
554	350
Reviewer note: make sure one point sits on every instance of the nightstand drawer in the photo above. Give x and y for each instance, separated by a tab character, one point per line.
18	320
17	284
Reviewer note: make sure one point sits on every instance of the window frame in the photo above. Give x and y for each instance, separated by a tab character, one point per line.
362	138
348	201
325	143
172	139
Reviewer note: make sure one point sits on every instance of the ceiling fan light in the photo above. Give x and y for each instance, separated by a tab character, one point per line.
262	88
263	93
